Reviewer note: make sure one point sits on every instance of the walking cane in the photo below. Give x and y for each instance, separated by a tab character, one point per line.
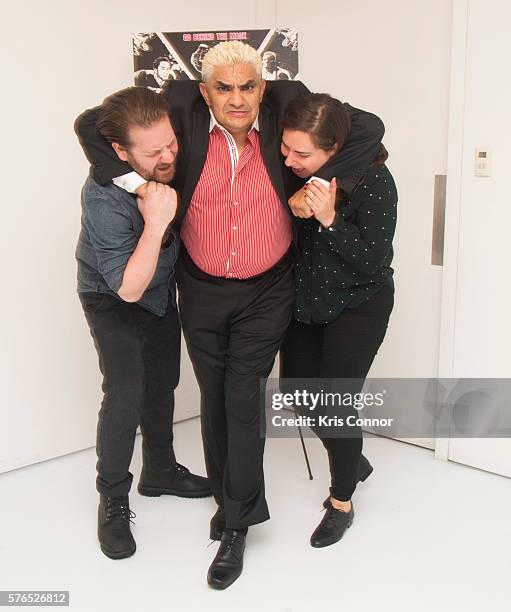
303	448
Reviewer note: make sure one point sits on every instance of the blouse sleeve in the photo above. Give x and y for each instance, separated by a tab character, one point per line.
366	242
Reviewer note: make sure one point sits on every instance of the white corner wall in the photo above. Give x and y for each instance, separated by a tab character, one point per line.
66	55
483	329
476	333
392	58
62	56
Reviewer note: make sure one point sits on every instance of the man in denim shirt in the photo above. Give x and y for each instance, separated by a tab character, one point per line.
126	254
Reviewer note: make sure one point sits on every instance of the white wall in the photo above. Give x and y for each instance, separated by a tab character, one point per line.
59	57
483	328
392	58
477	336
64	56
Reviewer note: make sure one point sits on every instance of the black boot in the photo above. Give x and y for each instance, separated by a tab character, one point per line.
114	533
332	527
365	469
217	525
228	562
177	480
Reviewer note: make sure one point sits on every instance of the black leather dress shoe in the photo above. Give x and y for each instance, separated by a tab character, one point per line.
177	480
114	533
228	562
365	469
332	527
217	525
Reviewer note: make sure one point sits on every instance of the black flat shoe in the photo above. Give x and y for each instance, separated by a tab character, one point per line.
365	469
332	527
217	525
228	562
177	480
114	533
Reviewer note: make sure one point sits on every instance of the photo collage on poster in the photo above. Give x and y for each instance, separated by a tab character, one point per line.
163	56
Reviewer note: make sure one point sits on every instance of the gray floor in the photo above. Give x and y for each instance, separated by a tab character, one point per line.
427	535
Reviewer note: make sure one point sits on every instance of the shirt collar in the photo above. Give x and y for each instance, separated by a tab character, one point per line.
214	123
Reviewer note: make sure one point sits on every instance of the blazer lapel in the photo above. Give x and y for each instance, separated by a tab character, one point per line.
197	151
197	147
269	136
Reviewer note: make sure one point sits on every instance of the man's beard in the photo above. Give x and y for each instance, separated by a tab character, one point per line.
163	173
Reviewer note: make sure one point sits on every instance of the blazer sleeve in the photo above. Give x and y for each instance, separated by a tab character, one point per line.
358	152
280	93
105	165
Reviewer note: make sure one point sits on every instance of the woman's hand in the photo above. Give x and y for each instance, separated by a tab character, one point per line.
298	205
321	201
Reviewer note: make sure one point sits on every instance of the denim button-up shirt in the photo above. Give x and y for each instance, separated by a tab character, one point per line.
111	228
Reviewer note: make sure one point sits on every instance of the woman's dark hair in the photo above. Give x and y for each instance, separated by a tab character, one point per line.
324	118
381	156
133	106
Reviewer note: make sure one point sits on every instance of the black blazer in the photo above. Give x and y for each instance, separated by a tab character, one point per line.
190	119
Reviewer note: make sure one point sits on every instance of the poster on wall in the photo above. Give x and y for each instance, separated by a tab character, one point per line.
162	56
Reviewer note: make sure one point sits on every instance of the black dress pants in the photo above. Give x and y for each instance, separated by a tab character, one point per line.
233	330
342	349
139	355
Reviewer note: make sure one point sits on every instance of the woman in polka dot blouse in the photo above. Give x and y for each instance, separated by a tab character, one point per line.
344	285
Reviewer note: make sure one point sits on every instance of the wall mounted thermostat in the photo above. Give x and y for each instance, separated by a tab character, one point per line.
483	162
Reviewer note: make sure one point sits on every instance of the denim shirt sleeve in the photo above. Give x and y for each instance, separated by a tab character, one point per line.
112	236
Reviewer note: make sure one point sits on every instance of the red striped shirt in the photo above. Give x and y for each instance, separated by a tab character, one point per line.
235	225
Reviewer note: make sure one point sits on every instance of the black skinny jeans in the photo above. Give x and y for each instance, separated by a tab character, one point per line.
139	354
344	348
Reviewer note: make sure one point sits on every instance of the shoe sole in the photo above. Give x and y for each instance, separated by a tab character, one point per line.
157	492
220	586
119	555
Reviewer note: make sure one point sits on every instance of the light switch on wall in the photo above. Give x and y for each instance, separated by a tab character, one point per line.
483	162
